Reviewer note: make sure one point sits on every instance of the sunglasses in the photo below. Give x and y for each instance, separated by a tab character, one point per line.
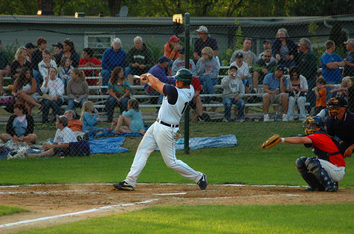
266	56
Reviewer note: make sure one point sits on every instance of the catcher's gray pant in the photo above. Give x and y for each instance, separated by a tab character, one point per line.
336	173
161	136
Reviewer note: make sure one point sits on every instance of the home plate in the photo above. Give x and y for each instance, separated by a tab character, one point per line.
170	194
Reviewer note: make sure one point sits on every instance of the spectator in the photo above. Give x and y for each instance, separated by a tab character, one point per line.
131	118
119	90
349	59
112	58
284	49
267	45
340	89
180	63
306	61
58	48
297	88
351	94
70	52
19	62
243	71
36	59
4	69
248	56
74	124
139	59
25	90
274	86
171	48
262	67
89	119
88	60
61	144
159	72
330	63
30	49
341	124
233	93
65	70
20	126
321	95
53	91
77	89
204	41
46	63
196	102
207	69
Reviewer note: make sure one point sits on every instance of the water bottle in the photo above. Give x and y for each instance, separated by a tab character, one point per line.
275	118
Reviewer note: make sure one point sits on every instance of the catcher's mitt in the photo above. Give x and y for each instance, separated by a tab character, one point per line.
272	141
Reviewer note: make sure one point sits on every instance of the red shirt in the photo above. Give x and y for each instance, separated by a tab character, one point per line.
196	84
90	73
325	143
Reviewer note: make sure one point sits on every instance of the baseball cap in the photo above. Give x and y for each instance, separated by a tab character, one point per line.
163	59
282	68
239	55
174	38
202	29
349	41
182	50
30	45
184	75
59	45
339	101
63	119
233	66
266	40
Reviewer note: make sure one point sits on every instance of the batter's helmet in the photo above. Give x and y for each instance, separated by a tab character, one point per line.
310	124
184	75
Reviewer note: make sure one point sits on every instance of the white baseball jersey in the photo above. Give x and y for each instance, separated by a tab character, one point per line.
174	104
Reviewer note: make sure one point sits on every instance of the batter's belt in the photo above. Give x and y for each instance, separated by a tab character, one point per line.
167	124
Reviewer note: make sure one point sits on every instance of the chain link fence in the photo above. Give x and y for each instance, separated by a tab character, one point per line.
255	75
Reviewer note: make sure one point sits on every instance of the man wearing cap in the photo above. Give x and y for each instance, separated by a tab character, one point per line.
30	49
274	86
267	45
243	70
171	48
63	137
349	59
262	67
204	41
340	123
330	63
139	59
179	63
58	48
159	72
248	56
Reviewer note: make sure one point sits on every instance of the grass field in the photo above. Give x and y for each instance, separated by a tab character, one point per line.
246	163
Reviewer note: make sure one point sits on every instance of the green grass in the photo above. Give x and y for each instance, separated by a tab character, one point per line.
220	219
8	210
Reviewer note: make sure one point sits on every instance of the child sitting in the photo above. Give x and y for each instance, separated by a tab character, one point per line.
131	118
65	69
89	119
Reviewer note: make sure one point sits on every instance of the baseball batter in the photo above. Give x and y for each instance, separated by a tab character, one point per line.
163	132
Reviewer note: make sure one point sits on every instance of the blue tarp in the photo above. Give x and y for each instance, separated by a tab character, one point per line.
107	145
208	142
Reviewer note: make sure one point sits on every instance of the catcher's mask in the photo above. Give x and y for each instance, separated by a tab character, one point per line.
310	124
334	106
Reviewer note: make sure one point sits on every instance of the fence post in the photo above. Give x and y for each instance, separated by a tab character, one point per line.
186	113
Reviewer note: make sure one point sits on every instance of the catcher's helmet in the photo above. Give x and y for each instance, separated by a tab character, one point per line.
184	75
310	124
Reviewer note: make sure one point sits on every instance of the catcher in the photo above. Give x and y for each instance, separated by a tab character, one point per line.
323	172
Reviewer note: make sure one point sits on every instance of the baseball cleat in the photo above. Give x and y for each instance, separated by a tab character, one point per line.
203	182
124	186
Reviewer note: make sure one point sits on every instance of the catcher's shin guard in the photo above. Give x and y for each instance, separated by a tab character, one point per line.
314	166
310	179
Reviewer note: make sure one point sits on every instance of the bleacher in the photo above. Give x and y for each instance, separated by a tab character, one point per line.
255	111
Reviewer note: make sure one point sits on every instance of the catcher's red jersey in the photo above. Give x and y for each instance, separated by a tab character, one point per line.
325	143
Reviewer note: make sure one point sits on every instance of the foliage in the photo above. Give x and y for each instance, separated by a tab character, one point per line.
318	49
338	36
167	8
10	50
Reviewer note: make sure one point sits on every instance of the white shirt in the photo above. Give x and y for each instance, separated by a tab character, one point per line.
242	71
64	136
43	69
54	87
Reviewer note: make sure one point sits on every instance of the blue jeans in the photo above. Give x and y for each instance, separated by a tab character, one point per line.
55	105
301	106
228	104
39	79
207	84
112	103
106	75
328	89
72	104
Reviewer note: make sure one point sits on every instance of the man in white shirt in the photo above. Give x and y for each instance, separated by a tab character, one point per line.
63	137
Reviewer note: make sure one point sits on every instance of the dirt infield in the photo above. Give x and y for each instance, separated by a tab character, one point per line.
56	204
